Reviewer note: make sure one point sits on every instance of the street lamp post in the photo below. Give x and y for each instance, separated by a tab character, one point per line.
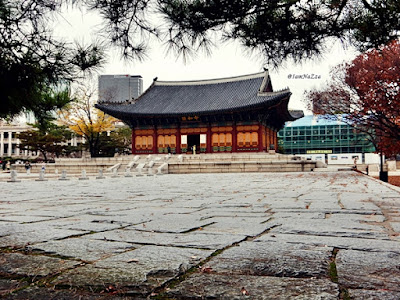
383	174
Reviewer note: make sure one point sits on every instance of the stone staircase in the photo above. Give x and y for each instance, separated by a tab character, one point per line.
238	163
173	164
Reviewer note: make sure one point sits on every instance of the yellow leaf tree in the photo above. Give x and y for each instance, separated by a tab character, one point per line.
85	120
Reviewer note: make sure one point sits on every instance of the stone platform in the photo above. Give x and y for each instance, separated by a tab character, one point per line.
175	164
201	236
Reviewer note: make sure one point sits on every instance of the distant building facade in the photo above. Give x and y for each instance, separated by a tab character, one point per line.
319	135
9	141
120	88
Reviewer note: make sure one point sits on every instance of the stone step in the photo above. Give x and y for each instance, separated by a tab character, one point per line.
238	167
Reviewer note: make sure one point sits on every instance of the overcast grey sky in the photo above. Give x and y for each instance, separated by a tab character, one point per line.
227	60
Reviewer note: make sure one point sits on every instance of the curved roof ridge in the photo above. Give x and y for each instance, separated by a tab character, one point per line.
281	91
212	81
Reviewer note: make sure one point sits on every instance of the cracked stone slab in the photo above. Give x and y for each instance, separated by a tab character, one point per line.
33	265
176	223
242	204
86	222
9	285
345	227
358	201
277	258
373	295
138	271
238	225
355	218
275	196
23	218
337	242
285	216
31	237
199	197
316	195
194	239
316	201
214	286
46	293
236	212
197	202
85	249
322	210
369	270
125	218
286	204
8	228
236	209
396	226
143	209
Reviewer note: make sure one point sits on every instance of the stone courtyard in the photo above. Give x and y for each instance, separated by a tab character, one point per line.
330	235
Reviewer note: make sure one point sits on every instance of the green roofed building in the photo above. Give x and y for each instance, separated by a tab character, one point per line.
320	135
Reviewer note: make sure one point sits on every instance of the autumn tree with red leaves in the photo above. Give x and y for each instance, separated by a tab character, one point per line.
367	90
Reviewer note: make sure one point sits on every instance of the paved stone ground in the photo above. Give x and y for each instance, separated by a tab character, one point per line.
201	236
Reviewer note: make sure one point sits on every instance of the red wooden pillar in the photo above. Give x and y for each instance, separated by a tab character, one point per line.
133	141
155	139
234	138
260	143
178	140
209	140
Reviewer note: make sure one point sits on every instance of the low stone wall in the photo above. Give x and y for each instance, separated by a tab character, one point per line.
240	167
71	168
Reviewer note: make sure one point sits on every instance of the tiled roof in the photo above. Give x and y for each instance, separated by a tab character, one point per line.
200	97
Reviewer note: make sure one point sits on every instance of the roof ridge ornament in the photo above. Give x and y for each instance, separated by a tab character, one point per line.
266	85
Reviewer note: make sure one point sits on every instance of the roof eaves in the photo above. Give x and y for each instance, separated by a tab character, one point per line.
268	94
296	114
271	101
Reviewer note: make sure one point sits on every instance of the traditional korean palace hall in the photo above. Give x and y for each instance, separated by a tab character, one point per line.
236	114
